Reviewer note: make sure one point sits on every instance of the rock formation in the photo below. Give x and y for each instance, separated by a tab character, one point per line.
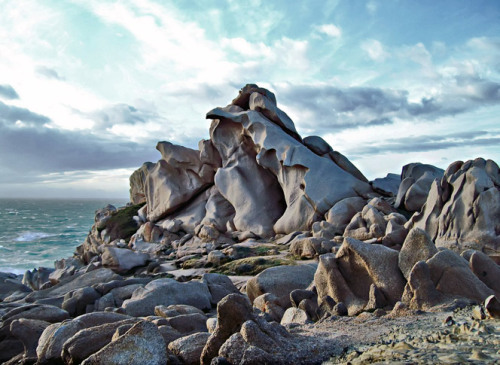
462	210
228	253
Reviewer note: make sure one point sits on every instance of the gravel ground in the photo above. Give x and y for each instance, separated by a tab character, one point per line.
444	338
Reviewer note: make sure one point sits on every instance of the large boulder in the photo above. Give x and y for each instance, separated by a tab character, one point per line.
416	180
363	264
50	345
90	340
66	285
260	155
232	312
462	209
189	348
9	283
452	275
141	344
175	179
417	246
167	292
342	212
281	281
28	331
122	260
137	183
388	185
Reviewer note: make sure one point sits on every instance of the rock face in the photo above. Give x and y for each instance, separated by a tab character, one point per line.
310	184
142	344
347	277
462	210
416	180
167	292
259	175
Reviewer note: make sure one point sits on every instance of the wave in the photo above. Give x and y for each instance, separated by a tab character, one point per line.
12	270
33	236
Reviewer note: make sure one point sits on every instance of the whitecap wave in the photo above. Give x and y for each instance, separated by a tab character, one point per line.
33	236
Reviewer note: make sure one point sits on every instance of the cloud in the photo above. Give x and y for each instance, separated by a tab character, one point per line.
375	50
49	73
10	115
8	92
324	108
30	150
122	114
426	143
330	30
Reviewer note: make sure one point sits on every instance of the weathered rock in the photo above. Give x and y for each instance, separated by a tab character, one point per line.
142	344
90	340
189	348
219	286
28	331
122	260
462	209
175	179
363	264
75	302
269	304
330	283
72	283
48	313
232	312
64	268
188	323
451	275
36	278
292	172
51	341
417	246
10	348
486	270
376	299
320	147
492	307
420	291
310	247
295	315
280	281
298	295
167	292
137	183
10	284
342	212
217	257
416	180
219	212
388	185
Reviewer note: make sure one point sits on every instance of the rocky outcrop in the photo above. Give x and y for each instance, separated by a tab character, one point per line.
462	209
416	180
309	184
252	202
137	181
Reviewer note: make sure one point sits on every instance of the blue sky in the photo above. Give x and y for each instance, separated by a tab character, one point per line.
88	87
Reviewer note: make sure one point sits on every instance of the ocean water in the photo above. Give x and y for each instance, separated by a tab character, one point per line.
36	232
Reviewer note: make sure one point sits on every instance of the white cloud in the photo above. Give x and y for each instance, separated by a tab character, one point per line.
375	50
330	30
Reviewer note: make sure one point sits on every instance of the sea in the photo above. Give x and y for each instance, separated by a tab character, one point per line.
36	232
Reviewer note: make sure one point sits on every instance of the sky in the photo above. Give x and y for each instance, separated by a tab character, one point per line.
88	87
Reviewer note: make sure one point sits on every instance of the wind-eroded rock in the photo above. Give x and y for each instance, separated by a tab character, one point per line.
462	210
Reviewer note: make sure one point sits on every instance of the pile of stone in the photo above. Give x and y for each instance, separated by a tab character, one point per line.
299	231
